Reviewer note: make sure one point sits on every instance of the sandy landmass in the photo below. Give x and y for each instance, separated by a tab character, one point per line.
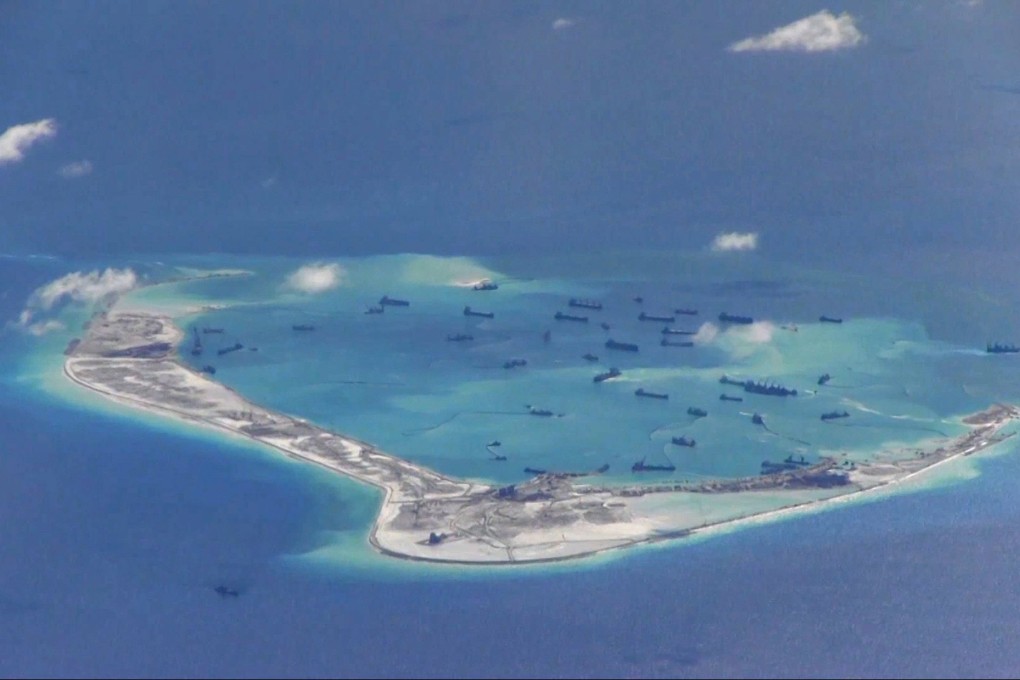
130	356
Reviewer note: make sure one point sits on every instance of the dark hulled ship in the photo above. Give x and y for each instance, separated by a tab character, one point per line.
733	318
624	346
642	392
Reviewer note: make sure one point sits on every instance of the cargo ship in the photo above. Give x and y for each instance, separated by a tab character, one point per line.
676	331
589	357
832	415
829	319
726	397
379	309
485	285
534	471
387	301
683	441
696	412
652	317
666	342
768	389
642	392
733	318
560	316
486	315
726	380
605	326
642	466
625	346
514	363
232	348
584	304
824	378
211	370
459	337
303	327
996	348
608	375
196	347
544	412
757	419
685	311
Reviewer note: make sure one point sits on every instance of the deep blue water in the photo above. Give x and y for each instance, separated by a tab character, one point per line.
319	130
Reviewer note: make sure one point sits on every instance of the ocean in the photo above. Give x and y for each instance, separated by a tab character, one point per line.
574	149
118	525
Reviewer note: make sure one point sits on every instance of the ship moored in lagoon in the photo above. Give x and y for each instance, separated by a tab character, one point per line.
233	348
685	311
584	303
470	312
561	316
642	466
824	378
652	317
608	375
624	346
829	319
996	348
642	392
832	415
726	397
770	389
666	342
683	441
387	301
589	357
676	331
696	412
733	318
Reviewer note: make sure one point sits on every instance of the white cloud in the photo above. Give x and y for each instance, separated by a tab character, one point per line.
706	334
756	333
79	287
735	241
316	278
562	24
44	327
820	32
74	287
76	169
17	139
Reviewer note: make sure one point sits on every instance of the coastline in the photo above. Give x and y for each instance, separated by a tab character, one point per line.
426	516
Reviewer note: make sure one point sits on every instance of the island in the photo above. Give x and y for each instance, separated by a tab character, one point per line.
131	357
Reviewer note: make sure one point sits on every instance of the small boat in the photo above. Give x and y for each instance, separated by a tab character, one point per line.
683	441
696	412
589	357
378	309
485	285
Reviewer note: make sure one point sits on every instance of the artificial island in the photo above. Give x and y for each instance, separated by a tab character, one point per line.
131	357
